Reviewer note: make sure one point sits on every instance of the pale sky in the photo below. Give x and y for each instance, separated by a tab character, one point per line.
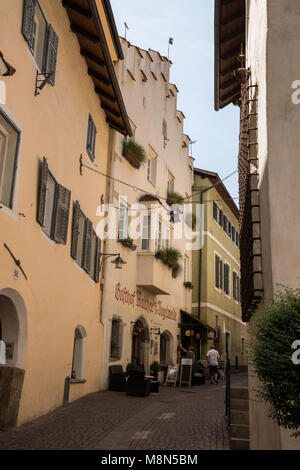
191	24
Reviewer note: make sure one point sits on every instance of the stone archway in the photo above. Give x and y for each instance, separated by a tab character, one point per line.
141	344
13	331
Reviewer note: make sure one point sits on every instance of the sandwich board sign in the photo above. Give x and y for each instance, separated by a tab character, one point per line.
172	373
2	353
186	371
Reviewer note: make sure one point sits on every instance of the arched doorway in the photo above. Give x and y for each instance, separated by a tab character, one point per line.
166	348
140	344
13	332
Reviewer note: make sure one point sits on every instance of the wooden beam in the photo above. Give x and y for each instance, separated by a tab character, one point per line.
110	110
232	81
232	36
78	9
83	32
230	19
230	95
115	126
99	77
233	53
105	95
92	57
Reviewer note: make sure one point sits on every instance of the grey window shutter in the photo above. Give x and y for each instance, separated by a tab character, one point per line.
75	227
62	210
97	262
88	246
28	20
51	53
215	211
42	192
221	275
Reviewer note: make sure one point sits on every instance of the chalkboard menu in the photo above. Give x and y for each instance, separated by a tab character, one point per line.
186	371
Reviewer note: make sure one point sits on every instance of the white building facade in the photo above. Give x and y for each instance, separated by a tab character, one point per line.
142	303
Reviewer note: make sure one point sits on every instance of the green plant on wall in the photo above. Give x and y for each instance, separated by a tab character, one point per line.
174	198
134	153
273	331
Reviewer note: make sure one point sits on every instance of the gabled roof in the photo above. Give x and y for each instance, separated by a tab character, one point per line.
230	31
215	180
86	24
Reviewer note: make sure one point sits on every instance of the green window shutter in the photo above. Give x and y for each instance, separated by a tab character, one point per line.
215	210
88	246
233	233
221	218
238	289
75	227
51	53
234	279
217	267
62	210
97	262
42	192
28	20
221	274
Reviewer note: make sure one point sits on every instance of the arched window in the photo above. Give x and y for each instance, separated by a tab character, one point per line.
78	366
165	348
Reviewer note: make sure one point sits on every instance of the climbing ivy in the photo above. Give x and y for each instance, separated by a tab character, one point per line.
273	331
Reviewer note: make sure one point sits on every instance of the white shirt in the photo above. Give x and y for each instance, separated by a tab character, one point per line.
213	357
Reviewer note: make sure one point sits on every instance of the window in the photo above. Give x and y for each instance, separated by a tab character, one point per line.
218	272
91	139
237	239
78	364
146	232
9	146
229	228
233	233
123	220
171	182
41	38
116	339
152	166
159	245
226	279
53	206
85	246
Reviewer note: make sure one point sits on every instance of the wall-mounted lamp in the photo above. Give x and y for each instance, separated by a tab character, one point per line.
118	262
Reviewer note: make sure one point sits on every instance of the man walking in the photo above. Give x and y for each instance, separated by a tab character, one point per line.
213	358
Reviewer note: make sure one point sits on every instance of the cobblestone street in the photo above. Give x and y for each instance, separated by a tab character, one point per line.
174	419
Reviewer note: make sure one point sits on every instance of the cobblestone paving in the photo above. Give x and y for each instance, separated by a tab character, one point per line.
174	419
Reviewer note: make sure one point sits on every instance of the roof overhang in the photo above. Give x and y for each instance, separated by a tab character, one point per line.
230	33
86	24
216	181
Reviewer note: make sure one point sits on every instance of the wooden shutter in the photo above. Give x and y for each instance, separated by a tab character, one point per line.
220	274
215	210
97	261
221	218
62	210
234	279
28	20
88	246
51	53
75	229
217	267
42	192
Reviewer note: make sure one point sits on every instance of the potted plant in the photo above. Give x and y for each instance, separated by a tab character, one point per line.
174	198
188	285
155	368
131	366
128	242
176	269
134	153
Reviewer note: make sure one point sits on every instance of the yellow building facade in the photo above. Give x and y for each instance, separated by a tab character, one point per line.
216	271
61	104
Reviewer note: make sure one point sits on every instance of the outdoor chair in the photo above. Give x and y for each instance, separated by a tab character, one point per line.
117	379
137	384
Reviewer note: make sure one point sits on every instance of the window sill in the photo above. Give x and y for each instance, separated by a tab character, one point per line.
78	381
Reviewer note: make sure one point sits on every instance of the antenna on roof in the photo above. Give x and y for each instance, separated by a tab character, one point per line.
191	144
126	27
171	42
